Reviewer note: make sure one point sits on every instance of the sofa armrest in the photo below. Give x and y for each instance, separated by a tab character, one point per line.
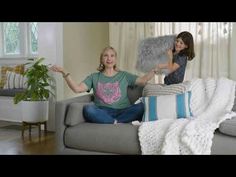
60	117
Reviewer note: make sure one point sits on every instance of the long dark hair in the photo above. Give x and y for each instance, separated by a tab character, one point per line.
187	38
101	66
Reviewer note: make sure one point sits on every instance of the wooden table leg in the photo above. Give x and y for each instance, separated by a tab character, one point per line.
39	124
45	127
30	124
29	130
23	129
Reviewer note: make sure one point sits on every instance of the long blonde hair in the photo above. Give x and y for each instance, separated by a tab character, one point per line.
101	66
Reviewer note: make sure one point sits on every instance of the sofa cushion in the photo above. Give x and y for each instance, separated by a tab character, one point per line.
167	107
15	81
228	127
19	69
134	93
118	138
10	92
75	114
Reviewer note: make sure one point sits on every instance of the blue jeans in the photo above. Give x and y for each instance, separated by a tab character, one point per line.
104	115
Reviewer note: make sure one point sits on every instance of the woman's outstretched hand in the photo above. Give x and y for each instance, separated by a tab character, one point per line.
56	68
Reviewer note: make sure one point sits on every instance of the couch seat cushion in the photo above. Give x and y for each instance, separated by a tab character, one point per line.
119	138
228	127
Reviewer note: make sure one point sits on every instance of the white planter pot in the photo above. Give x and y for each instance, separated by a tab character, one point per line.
34	111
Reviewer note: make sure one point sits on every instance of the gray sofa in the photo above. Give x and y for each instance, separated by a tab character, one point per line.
75	136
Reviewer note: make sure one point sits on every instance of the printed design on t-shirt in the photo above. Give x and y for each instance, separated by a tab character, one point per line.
108	92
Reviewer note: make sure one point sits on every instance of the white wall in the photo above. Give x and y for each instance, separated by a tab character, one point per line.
51	47
74	46
83	43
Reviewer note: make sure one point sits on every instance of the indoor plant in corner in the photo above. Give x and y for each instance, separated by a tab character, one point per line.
34	100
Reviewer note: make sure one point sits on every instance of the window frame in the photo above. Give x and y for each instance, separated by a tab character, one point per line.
25	42
29	46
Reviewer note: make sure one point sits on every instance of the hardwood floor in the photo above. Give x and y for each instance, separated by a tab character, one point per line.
12	143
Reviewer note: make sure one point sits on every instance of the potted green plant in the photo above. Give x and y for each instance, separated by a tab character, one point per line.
39	88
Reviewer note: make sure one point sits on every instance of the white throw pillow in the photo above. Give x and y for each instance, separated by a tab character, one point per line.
7	83
11	80
25	82
17	81
21	81
14	80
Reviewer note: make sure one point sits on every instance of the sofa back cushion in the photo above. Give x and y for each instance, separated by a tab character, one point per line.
228	127
11	92
75	114
134	93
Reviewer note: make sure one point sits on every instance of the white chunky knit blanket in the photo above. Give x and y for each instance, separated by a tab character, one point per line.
211	103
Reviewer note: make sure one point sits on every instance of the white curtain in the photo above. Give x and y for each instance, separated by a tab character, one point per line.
125	37
212	47
212	42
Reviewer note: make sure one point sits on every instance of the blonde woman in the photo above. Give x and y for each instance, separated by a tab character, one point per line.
111	103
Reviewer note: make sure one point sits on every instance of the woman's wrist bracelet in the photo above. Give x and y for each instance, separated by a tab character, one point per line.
155	71
65	75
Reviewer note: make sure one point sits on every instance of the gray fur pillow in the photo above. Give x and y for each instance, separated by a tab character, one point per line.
152	51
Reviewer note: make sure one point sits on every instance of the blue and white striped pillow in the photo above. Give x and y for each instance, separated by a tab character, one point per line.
167	107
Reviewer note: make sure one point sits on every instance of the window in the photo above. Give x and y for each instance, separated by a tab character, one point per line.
18	39
33	36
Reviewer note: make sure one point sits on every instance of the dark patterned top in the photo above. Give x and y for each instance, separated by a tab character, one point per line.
178	75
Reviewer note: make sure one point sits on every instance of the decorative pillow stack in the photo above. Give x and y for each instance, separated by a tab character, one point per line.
166	101
11	77
14	81
161	89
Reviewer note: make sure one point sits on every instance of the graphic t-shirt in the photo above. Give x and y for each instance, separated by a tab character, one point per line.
111	91
178	75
